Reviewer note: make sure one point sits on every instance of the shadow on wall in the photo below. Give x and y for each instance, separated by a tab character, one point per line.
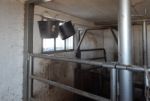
57	71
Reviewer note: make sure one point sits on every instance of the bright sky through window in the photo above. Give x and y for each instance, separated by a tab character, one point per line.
48	45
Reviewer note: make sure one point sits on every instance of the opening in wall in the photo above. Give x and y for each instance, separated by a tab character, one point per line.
57	44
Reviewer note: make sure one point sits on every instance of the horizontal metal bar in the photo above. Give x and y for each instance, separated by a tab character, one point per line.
34	1
100	64
37	2
97	58
58	51
96	49
70	89
73	60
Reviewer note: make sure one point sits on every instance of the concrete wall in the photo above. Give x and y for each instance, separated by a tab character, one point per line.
112	48
11	52
110	45
92	40
137	44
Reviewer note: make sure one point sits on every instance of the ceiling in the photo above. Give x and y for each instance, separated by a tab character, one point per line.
98	11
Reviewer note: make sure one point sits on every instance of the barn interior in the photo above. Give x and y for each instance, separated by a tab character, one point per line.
75	50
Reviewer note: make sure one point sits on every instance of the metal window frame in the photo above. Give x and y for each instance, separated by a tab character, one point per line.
57	51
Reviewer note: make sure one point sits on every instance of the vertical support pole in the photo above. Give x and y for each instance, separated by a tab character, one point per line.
145	53
105	55
55	44
125	51
78	66
28	45
30	80
113	85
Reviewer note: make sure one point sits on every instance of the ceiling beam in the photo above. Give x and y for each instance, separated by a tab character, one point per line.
37	2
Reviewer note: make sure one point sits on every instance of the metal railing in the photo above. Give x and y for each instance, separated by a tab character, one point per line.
32	77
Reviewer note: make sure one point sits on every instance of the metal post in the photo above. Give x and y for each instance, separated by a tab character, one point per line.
125	51
28	44
113	85
81	39
114	35
30	80
145	53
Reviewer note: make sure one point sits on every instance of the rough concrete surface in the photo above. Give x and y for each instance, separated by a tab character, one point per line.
103	11
11	53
